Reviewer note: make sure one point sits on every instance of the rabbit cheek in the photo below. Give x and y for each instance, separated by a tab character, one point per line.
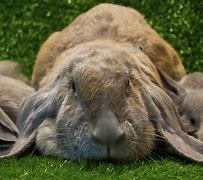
75	142
46	138
73	133
139	138
136	146
139	131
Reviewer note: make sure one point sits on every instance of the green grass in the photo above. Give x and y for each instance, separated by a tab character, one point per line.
51	168
24	26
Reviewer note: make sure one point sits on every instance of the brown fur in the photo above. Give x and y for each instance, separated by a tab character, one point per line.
106	22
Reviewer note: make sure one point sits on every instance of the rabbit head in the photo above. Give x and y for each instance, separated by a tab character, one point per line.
100	112
191	111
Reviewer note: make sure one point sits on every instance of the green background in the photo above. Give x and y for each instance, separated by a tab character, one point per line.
26	24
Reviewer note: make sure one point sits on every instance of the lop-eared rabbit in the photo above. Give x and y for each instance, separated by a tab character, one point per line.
188	96
99	94
12	93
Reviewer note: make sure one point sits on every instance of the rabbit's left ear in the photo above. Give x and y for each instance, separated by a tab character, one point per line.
163	113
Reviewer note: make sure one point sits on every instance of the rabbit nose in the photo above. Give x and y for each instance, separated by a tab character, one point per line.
107	130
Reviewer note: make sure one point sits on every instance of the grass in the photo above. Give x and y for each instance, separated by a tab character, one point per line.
32	167
24	26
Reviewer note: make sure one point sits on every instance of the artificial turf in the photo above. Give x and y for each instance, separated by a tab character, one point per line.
36	167
24	26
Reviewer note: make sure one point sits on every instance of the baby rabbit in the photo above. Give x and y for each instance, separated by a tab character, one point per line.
12	93
188	95
192	106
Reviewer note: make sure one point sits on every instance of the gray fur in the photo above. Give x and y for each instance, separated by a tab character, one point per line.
12	94
192	106
188	96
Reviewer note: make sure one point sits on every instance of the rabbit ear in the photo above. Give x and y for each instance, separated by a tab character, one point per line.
44	103
164	114
33	111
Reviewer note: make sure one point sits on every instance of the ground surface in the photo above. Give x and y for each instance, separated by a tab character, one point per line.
24	26
50	168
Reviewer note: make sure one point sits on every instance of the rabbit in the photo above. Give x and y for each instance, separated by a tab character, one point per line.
12	93
99	94
192	105
188	95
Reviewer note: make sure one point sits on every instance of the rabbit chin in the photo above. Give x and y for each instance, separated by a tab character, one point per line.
80	146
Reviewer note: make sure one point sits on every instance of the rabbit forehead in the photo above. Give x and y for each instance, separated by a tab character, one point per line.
99	53
103	84
193	103
105	71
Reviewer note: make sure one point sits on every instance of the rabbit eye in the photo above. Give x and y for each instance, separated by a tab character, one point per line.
141	48
192	121
180	112
73	86
127	89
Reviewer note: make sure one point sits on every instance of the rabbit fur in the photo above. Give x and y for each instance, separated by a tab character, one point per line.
192	105
12	93
188	96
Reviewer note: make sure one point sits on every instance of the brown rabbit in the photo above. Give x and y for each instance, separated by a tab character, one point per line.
99	95
12	93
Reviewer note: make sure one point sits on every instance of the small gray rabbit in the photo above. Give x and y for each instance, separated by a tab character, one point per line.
188	95
12	93
192	107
